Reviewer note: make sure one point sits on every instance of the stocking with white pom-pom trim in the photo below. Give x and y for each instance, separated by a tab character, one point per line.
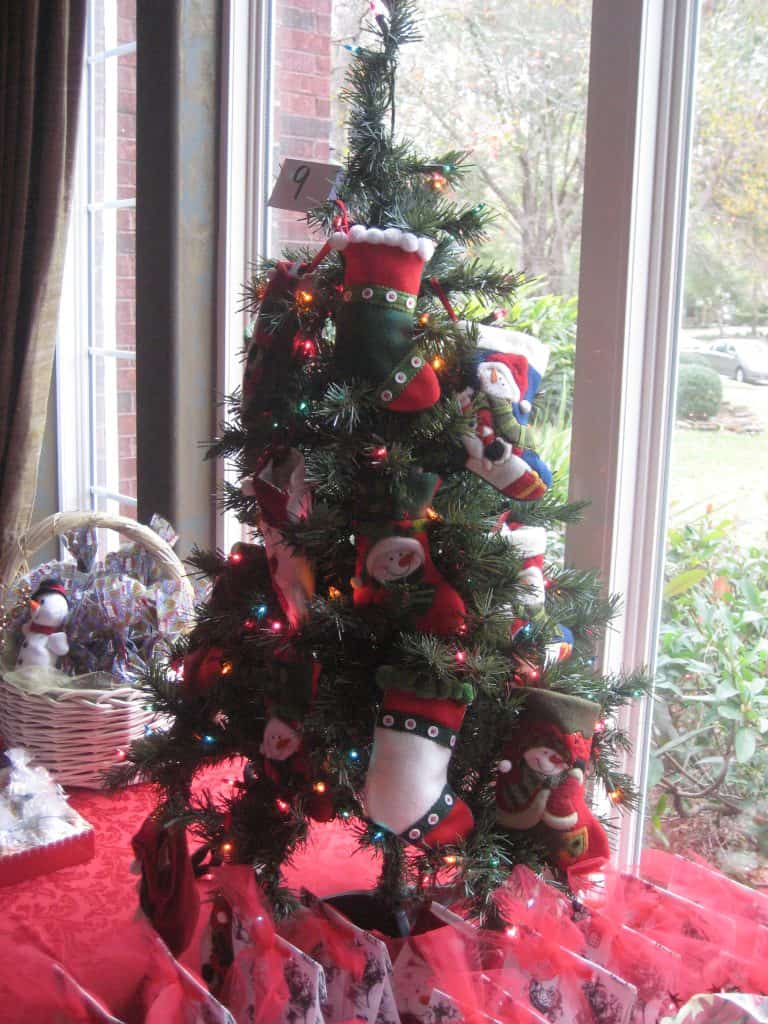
530	544
374	323
506	374
406	789
509	365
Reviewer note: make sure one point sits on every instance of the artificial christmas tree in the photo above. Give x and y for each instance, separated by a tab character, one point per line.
369	661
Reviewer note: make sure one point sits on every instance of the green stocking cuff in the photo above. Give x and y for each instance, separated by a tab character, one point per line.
391	677
380	295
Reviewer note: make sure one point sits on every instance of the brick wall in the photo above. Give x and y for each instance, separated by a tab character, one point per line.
302	98
303	128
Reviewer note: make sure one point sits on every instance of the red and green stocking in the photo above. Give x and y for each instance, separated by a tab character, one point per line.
392	551
540	785
270	341
406	789
374	322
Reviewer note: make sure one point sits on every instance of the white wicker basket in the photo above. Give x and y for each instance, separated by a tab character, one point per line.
76	732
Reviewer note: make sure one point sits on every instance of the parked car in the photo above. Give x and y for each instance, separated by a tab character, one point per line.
739	358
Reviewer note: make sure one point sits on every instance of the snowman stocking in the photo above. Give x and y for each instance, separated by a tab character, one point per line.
540	786
509	365
397	550
283	747
406	789
374	323
507	371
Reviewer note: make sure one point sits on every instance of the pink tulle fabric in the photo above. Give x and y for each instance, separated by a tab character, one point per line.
74	947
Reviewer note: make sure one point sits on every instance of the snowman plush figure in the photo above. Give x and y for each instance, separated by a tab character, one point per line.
506	375
44	638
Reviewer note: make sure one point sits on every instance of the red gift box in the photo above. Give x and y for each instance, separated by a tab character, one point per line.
41	860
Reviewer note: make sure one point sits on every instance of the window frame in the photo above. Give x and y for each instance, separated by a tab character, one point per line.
633	234
633	230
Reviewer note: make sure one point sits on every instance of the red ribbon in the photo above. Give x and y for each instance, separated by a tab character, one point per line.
438	290
343	225
342	218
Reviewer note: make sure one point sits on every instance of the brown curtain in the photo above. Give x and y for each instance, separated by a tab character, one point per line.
41	63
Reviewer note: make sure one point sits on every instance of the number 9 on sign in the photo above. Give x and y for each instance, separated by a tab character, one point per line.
302	184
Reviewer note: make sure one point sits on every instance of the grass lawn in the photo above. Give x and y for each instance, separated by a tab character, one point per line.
725	470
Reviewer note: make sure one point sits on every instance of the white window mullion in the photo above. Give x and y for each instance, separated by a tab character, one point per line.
72	364
638	132
244	154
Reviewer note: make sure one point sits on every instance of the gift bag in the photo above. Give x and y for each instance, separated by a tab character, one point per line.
356	964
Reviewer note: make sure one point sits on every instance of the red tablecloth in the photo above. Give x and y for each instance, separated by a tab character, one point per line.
71	912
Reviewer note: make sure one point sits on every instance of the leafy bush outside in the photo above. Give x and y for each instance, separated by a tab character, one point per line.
551	319
709	766
699	392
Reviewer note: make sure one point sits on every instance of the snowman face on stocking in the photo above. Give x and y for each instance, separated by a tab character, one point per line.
280	741
498	380
394	558
545	761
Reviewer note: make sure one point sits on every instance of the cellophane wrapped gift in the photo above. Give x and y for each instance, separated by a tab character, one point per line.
356	963
119	611
39	831
722	1008
257	974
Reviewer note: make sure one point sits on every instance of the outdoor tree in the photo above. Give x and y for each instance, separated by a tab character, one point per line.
393	649
728	214
512	85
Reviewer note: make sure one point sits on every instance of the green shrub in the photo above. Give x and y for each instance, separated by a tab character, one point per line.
699	392
690	359
709	761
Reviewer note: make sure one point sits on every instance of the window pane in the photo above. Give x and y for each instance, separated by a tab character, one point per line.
709	765
112	271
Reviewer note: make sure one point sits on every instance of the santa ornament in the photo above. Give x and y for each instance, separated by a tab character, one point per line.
44	640
506	375
374	323
284	750
284	496
540	782
509	365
